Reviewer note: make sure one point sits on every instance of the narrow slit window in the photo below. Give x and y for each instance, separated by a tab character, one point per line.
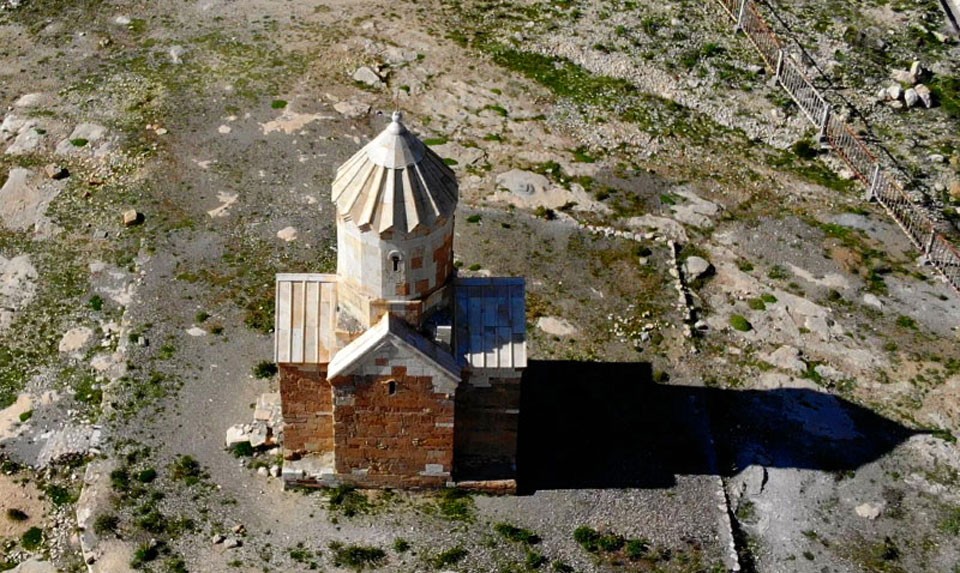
395	259
392	387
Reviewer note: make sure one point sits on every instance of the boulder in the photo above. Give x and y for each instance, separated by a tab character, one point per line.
872	300
903	77
236	434
894	92
910	97
287	234
352	109
923	92
367	76
131	217
696	267
523	183
55	171
869	511
175	54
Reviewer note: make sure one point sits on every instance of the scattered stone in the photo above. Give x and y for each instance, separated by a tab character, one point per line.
915	69
696	267
351	109
82	137
231	543
262	471
954	189
161	131
24	202
910	97
175	54
132	217
869	511
239	529
196	331
367	76
275	471
30	100
224	129
57	172
936	158
894	92
923	92
287	234
903	77
828	372
122	21
218	538
872	300
236	434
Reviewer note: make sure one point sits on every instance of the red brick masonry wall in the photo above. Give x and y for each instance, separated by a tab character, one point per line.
388	439
306	399
486	432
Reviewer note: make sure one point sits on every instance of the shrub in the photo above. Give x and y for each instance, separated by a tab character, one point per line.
187	469
79	142
278	104
201	317
738	322
401	545
242	449
346	500
145	553
96	302
106	523
264	369
610	542
475	218
768	298
757	304
32	539
516	534
951	523
587	537
147	475
449	557
906	322
637	548
456	504
358	557
535	560
26	415
14	514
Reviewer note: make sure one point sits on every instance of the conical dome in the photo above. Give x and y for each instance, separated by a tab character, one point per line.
395	183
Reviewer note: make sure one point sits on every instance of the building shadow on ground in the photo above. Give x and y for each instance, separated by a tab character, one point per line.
609	425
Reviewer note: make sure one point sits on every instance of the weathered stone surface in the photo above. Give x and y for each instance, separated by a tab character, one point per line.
131	217
75	339
663	225
923	92
352	109
236	434
522	183
17	287
869	511
894	92
786	358
24	201
367	76
872	300
910	97
556	326
84	136
696	267
287	234
55	171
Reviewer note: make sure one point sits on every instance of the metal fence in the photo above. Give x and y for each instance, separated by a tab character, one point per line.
881	184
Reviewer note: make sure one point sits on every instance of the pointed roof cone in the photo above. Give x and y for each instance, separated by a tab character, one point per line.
395	183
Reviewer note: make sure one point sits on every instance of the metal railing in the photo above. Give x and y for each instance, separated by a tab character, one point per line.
881	184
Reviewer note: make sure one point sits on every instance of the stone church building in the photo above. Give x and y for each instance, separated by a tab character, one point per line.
394	372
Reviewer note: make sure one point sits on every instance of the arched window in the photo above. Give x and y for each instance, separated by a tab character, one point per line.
396	262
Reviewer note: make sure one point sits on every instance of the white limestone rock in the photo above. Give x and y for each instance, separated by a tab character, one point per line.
352	109
872	300
696	267
236	434
92	133
287	234
522	183
869	511
786	358
368	77
910	97
75	339
556	326
894	92
923	92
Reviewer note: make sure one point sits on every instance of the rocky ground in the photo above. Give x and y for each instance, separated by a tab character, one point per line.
739	363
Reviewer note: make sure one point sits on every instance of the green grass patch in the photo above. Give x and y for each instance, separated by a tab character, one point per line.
740	323
449	557
278	104
358	557
264	369
516	534
456	504
79	142
32	539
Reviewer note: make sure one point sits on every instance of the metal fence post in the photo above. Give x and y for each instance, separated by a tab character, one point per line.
779	64
929	245
874	183
740	15
824	120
